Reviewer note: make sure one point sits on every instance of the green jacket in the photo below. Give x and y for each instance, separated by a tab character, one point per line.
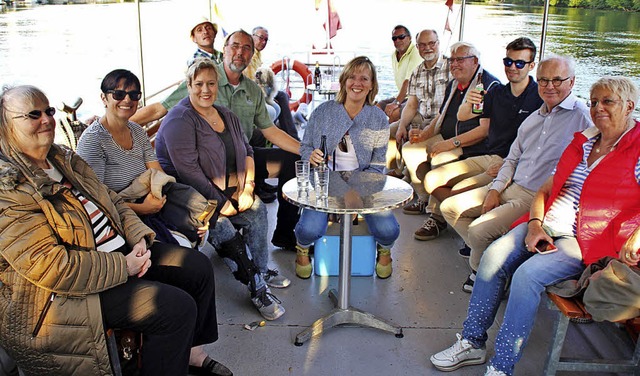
47	251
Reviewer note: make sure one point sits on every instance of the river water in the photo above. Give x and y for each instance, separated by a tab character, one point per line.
67	49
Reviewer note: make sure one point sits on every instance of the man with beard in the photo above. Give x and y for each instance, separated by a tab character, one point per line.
425	94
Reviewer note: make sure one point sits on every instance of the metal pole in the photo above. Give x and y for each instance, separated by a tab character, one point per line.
144	99
545	19
463	5
210	11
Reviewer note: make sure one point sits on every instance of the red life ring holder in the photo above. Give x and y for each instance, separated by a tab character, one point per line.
304	72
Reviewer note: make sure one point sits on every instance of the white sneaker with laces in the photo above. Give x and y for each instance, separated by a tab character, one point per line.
267	304
274	279
460	354
494	372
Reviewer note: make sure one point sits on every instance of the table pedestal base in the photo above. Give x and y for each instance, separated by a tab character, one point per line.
340	316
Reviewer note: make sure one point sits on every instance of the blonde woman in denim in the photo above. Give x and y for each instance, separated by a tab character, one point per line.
357	136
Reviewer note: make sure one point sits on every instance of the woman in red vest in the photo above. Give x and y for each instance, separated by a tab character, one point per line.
588	210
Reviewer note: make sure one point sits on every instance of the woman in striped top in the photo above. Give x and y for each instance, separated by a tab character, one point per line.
75	259
586	211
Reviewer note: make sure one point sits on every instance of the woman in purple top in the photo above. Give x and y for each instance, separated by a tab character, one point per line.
203	145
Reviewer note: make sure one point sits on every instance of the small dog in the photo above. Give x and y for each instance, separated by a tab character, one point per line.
266	80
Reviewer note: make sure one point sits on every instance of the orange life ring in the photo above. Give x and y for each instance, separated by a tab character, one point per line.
303	71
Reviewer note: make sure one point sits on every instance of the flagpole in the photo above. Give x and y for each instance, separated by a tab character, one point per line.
543	37
142	85
462	9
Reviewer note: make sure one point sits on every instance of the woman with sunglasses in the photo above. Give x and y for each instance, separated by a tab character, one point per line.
119	152
75	260
357	136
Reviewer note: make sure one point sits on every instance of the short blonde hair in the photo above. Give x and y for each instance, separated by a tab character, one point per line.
622	86
355	64
200	64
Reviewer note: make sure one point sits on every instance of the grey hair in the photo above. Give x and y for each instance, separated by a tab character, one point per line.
258	28
23	93
471	49
568	61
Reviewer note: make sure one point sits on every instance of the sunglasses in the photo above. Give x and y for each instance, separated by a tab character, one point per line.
35	114
401	37
507	61
264	39
119	95
544	82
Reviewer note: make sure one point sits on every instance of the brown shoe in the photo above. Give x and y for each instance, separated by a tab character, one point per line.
431	229
416	208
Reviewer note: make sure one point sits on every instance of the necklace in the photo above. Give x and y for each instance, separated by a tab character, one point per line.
608	148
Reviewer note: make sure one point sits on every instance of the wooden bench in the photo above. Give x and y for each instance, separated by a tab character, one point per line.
571	309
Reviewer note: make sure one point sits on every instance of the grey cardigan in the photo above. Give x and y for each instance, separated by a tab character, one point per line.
369	132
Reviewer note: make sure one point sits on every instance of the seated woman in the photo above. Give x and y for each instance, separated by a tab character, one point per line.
119	151
361	129
587	210
203	145
75	259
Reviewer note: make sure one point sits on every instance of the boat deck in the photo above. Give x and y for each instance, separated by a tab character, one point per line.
423	296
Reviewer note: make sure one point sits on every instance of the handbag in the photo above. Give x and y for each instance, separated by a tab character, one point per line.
613	293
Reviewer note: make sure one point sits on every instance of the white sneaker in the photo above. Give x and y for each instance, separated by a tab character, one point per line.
274	279
494	372
269	306
460	354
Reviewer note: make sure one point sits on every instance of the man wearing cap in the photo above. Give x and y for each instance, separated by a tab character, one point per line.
204	34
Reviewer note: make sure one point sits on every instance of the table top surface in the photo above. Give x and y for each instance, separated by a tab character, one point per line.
352	192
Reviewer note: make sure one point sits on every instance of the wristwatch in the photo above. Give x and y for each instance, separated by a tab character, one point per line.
456	142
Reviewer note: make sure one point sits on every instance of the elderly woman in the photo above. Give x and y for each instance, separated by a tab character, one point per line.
586	211
75	259
120	153
203	145
357	137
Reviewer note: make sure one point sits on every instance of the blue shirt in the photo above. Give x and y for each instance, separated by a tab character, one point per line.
541	139
506	112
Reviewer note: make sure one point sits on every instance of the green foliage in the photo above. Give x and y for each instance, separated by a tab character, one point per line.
626	5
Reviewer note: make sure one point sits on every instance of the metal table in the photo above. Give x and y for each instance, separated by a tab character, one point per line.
374	193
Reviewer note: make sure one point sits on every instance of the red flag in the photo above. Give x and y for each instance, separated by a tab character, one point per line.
447	25
332	17
449	4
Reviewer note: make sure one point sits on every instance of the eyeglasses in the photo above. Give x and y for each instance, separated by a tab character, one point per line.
119	95
459	59
35	114
245	47
264	39
430	44
401	37
544	82
507	61
605	102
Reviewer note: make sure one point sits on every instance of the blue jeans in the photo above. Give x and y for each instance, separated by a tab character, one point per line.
313	225
531	273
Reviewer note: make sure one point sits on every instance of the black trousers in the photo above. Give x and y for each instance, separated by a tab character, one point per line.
172	305
285	119
274	162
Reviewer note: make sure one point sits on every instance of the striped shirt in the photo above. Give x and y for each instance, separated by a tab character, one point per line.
115	166
562	215
107	239
429	85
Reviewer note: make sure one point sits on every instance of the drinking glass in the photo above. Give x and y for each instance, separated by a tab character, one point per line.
302	175
414	132
321	178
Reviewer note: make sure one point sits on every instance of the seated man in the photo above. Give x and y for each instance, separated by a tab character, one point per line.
483	214
446	139
505	108
425	94
404	59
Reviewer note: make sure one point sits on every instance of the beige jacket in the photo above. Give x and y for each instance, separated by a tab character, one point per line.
47	246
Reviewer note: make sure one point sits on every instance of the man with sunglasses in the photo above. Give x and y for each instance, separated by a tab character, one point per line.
404	59
483	214
505	108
